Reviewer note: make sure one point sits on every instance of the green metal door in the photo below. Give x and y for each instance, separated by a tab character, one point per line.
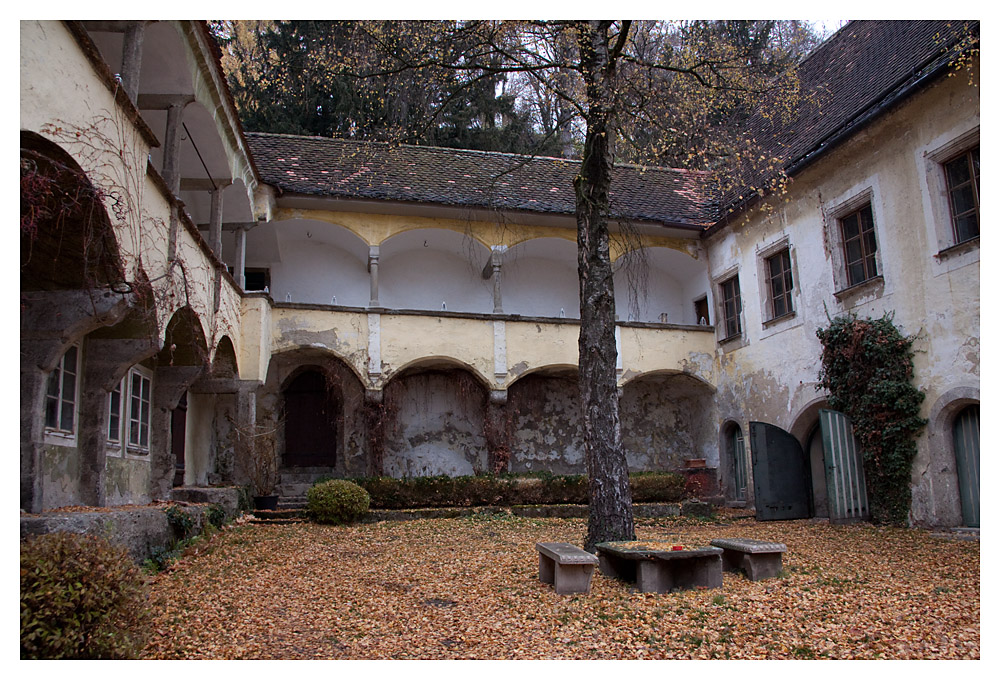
738	450
847	498
781	482
966	436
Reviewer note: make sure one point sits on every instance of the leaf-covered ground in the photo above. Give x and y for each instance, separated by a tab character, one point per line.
468	588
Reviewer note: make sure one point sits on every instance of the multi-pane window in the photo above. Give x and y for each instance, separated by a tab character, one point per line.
779	278
115	415
60	394
858	231
731	306
962	176
129	403
138	410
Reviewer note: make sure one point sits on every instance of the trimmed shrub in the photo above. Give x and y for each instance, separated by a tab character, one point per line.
540	488
657	487
81	598
337	501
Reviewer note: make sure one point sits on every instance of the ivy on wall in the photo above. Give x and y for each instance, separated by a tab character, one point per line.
868	371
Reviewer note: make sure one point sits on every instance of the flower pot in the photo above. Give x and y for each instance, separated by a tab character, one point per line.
265	502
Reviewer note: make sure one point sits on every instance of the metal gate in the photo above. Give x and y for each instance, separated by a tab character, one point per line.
738	450
847	498
781	479
966	436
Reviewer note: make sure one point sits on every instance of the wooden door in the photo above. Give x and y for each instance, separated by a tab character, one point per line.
847	498
781	480
965	433
311	412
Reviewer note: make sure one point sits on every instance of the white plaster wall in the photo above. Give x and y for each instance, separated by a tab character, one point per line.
772	376
423	279
317	272
540	279
198	440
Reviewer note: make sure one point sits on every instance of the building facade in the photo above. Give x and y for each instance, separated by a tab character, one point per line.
414	311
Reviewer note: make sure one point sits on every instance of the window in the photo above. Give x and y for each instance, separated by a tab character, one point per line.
779	283
701	316
138	409
962	178
257	279
731	307
858	232
60	394
115	415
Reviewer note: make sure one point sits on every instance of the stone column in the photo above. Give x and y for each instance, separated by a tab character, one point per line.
496	262
169	384
132	58
172	147
246	422
215	223
241	258
373	253
106	361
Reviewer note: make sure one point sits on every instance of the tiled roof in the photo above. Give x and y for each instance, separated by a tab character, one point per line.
862	68
471	179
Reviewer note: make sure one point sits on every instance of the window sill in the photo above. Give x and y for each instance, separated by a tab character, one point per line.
733	342
779	319
959	249
873	286
58	438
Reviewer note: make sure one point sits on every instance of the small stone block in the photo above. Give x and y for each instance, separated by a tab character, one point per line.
566	567
757	559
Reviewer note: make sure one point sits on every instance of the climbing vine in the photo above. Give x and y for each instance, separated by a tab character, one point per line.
868	371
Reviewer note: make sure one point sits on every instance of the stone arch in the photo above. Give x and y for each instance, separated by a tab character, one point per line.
435	421
940	423
437	362
67	239
654	283
224	362
423	268
322	381
666	419
546	415
667	372
568	370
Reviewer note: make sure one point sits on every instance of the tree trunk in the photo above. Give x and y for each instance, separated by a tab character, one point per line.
610	495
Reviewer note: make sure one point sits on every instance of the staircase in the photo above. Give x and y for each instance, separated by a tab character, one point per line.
293	483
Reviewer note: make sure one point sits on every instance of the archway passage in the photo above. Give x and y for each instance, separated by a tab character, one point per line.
311	411
965	433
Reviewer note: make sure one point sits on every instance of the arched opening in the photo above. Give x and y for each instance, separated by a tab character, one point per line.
67	240
435	423
965	438
312	412
547	422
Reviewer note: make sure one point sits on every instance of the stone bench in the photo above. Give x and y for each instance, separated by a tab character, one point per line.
661	571
758	559
565	566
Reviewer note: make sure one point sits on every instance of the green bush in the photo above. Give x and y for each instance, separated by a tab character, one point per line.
337	501
540	488
81	598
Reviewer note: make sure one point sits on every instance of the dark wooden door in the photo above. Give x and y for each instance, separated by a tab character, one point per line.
311	411
178	430
781	478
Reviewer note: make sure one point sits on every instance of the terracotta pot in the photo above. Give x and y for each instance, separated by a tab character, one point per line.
691	463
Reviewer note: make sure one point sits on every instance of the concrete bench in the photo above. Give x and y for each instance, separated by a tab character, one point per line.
661	571
565	566
758	559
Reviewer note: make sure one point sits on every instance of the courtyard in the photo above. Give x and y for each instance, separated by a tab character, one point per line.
468	588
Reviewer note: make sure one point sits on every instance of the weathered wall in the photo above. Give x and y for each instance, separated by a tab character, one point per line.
770	373
127	481
547	425
436	426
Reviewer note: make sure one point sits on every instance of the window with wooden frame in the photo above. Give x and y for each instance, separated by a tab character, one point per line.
732	307
139	411
962	178
858	234
61	394
779	283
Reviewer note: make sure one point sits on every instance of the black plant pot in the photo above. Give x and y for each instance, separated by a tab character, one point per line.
265	502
